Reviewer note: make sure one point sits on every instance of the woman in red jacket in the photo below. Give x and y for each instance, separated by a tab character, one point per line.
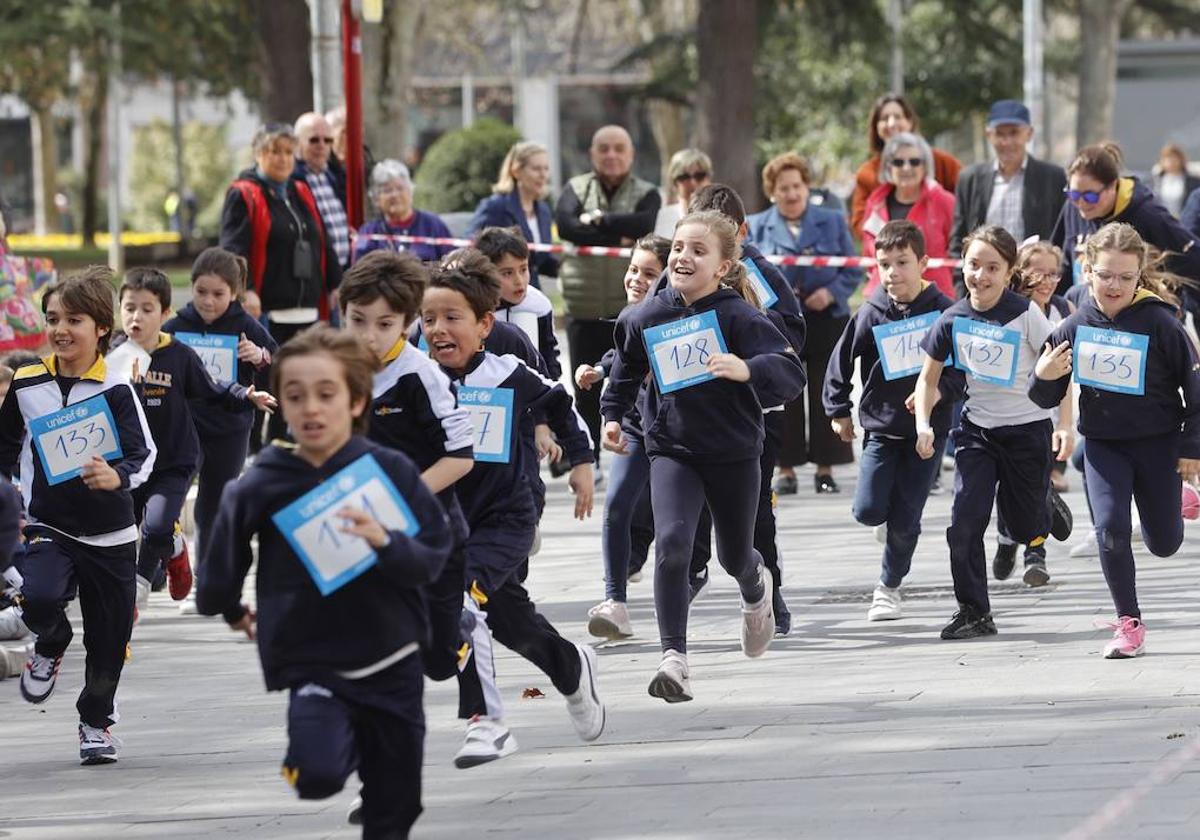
909	192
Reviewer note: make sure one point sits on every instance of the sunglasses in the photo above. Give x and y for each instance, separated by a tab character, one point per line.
1090	196
900	163
694	177
328	141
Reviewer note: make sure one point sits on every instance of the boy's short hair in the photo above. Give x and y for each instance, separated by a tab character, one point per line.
88	291
147	279
358	362
722	198
899	234
496	242
397	277
473	276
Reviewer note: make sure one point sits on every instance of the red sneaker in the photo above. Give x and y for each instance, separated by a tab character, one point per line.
179	574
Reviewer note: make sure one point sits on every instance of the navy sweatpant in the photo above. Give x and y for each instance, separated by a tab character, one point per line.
1008	466
157	505
56	568
678	492
1142	470
221	460
331	734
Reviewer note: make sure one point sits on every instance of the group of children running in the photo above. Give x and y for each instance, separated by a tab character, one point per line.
394	529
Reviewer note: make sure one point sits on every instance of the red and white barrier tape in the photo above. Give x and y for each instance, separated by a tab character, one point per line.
598	251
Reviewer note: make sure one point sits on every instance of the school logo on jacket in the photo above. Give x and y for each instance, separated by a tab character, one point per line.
385	410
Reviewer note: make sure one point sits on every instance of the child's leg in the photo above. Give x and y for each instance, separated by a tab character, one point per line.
162	509
974	492
677	494
1157	487
641	530
877	471
50	582
391	747
445	599
628	478
732	493
517	625
477	691
106	598
907	505
1023	461
764	522
322	749
1109	475
221	461
701	546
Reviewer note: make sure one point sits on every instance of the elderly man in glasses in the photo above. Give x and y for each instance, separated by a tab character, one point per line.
316	166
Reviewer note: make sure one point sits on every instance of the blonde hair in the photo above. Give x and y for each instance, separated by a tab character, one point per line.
518	157
1020	281
1124	239
726	232
684	160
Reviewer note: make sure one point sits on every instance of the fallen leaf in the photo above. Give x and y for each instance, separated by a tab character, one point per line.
532	694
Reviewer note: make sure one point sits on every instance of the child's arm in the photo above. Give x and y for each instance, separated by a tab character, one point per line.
198	384
630	366
221	570
1187	369
552	400
765	359
839	376
12	432
549	345
1063	441
926	398
137	444
446	426
1050	384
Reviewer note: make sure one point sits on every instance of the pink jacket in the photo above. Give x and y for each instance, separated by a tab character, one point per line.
933	214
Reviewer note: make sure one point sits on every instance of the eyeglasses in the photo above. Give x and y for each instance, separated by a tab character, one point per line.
694	177
1122	279
900	163
328	141
1090	196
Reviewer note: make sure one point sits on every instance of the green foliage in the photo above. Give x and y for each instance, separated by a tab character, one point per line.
206	168
461	166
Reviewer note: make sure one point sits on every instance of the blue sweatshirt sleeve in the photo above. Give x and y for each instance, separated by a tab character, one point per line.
12	432
776	373
839	376
550	400
549	345
630	367
137	445
221	570
1048	393
198	384
1187	368
417	560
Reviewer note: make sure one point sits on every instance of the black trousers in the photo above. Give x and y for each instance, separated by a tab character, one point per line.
814	441
588	339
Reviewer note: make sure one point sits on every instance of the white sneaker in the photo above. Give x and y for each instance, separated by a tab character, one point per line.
758	620
610	620
885	604
584	705
143	592
881	533
671	681
188	606
1087	547
11	624
354	814
486	740
96	746
39	677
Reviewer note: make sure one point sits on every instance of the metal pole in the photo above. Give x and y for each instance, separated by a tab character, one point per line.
326	55
896	20
468	100
352	82
116	254
1035	91
177	140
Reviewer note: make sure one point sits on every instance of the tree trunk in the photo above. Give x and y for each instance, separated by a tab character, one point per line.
670	133
1099	28
45	167
726	41
94	114
283	28
389	51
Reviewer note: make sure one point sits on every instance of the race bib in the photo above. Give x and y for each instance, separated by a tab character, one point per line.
218	352
766	295
987	352
491	412
1111	360
312	526
899	345
680	350
67	439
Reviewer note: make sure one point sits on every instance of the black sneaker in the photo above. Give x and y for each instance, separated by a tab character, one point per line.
968	623
1004	561
696	586
826	484
1061	520
783	618
786	485
1035	566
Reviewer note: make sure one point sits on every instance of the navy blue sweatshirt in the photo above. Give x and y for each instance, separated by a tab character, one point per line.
718	420
302	635
881	406
1171	365
235	321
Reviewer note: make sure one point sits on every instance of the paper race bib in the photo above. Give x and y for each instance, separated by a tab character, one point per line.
1111	360
67	439
491	412
313	529
766	295
679	350
899	345
218	352
987	352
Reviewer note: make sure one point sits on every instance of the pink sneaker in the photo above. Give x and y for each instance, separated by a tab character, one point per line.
1129	638
1189	501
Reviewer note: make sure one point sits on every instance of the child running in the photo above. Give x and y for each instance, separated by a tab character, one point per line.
78	434
348	533
884	337
521	303
1132	359
715	361
1004	443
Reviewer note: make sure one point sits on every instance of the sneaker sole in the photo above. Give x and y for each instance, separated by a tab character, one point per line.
768	593
35	699
602	628
667	688
464	762
1035	576
1061	520
93	760
589	661
972	633
884	616
1120	654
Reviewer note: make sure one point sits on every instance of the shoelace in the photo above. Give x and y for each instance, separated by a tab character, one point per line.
89	735
42	667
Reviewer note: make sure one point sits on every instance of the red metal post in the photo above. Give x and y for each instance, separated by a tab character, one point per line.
352	81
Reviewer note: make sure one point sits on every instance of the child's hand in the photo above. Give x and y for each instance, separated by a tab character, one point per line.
359	523
1189	468
583	485
819	300
612	439
135	373
728	366
1062	443
250	352
925	444
843	427
98	475
262	400
546	445
586	376
1054	363
245	623
910	402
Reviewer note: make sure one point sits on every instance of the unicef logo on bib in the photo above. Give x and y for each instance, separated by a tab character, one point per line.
679	350
899	345
490	410
1111	360
986	351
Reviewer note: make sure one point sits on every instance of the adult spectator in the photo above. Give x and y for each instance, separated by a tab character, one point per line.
688	171
891	115
1173	184
392	192
1017	191
608	206
519	200
335	118
909	192
794	225
316	166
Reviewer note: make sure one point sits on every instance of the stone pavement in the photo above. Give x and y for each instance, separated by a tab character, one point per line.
844	729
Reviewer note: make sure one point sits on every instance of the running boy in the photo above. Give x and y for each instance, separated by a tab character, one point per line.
521	303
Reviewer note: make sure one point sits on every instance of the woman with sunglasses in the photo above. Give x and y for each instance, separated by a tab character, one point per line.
909	192
688	171
1096	195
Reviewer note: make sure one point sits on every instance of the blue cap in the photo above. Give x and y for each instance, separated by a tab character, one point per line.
1008	112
